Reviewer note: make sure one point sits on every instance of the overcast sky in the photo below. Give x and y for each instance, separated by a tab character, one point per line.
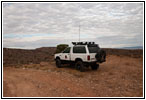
33	25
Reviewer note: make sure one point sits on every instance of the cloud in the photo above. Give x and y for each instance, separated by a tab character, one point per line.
49	24
119	41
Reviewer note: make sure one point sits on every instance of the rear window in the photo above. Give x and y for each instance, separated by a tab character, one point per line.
79	49
93	49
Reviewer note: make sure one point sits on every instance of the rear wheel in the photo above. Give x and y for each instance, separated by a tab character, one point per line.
58	63
80	66
95	66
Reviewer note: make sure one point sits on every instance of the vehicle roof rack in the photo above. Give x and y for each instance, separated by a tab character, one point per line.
82	43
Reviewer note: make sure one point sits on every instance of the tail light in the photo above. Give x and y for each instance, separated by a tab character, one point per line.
88	57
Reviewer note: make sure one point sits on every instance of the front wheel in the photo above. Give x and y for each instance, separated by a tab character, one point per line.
58	63
80	66
94	66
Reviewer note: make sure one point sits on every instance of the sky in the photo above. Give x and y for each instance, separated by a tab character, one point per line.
34	25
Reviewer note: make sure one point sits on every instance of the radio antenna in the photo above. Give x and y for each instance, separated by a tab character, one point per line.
79	32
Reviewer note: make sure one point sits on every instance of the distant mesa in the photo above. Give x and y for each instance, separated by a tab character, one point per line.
135	47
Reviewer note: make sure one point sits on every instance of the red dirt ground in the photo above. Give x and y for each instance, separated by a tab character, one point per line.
119	76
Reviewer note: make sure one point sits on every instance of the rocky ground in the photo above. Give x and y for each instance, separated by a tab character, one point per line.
119	76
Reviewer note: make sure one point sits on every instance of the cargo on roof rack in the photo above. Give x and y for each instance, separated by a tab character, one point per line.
82	43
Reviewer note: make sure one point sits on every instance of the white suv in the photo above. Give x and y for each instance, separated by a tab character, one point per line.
82	54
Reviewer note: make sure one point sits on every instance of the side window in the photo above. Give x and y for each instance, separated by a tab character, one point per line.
79	50
67	50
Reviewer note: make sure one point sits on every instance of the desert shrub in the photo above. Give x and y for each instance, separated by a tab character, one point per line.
61	47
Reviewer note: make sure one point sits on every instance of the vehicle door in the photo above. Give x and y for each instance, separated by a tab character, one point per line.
66	54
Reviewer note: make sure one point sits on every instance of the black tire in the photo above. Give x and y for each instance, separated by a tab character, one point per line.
100	56
58	63
103	55
94	66
80	66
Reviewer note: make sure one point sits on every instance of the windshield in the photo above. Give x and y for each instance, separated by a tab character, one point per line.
93	49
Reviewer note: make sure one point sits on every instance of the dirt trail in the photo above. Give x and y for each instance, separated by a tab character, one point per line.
118	77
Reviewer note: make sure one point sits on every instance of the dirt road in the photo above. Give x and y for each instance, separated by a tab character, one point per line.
118	77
